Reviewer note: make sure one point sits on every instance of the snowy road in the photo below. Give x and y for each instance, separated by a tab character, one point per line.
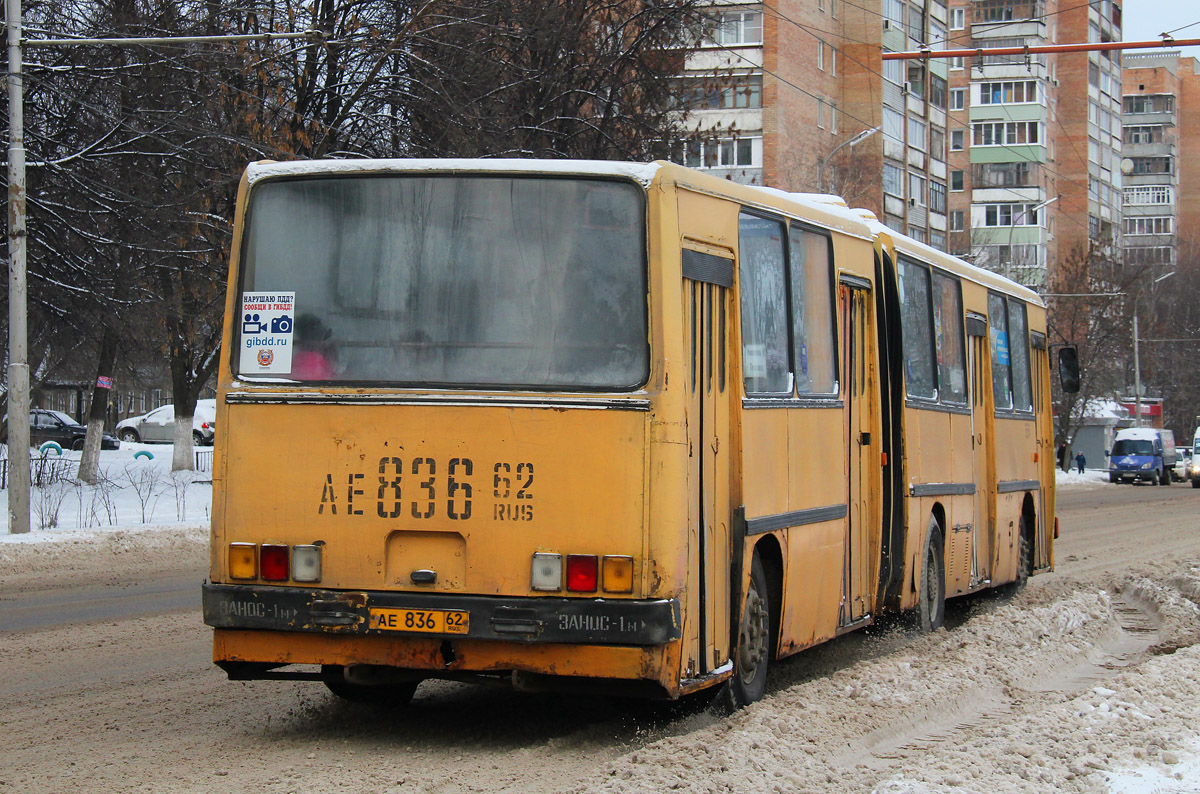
1088	681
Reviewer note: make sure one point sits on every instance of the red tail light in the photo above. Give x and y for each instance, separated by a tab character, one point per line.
204	425
582	573
273	563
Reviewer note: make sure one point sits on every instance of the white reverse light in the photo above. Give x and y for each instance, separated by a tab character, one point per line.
306	563
547	572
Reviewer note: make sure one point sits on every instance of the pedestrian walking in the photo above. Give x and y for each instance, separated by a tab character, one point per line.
1080	461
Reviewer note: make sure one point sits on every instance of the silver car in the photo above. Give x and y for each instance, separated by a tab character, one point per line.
158	426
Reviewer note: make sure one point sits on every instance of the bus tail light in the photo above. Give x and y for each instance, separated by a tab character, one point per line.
243	561
306	563
582	573
273	561
547	572
618	574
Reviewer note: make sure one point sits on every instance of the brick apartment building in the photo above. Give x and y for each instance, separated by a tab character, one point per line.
1010	161
1162	157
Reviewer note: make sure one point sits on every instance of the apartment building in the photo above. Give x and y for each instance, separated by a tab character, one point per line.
794	94
1162	142
1009	160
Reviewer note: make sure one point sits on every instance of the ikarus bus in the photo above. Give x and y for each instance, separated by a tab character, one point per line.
624	427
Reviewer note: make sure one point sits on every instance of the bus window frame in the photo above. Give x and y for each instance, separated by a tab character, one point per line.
1016	413
794	398
938	401
277	382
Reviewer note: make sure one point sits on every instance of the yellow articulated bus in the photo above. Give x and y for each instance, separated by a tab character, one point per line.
602	425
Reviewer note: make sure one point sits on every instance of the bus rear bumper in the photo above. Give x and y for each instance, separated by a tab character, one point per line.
582	621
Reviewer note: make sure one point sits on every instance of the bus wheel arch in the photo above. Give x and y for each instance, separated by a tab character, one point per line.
1026	552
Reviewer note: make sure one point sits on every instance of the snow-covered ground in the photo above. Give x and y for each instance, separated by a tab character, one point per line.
136	491
1088	681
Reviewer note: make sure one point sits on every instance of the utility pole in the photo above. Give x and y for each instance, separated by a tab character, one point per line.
18	338
19	480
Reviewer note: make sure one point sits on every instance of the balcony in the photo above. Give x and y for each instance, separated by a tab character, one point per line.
992	11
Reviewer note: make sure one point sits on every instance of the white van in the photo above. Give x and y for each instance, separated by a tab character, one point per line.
1195	470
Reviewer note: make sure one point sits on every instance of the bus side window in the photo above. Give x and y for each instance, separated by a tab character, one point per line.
765	365
813	351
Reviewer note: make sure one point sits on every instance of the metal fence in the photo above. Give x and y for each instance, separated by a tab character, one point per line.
204	459
44	470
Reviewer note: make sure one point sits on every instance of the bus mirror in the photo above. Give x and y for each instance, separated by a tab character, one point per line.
1068	369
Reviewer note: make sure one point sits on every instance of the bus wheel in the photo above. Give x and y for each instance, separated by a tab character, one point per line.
931	605
753	654
1025	554
383	695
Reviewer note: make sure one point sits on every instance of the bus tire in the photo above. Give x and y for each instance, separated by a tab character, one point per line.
931	599
1024	554
753	652
384	695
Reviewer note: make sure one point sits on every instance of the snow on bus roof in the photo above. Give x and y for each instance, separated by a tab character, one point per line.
642	172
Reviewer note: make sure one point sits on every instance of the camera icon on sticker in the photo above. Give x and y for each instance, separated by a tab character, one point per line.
281	325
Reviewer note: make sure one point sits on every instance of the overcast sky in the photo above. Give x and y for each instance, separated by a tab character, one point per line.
1144	20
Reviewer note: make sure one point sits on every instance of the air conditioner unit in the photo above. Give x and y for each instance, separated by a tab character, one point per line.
887	24
912	202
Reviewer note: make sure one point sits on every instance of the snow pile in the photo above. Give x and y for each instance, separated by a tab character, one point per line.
1025	696
1073	479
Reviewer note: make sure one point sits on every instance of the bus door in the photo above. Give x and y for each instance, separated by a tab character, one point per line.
1041	370
857	374
983	527
707	288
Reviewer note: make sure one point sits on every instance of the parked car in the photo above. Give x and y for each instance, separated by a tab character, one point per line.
62	429
1183	466
158	426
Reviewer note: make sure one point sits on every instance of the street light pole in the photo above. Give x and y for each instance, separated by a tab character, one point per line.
18	346
857	139
1137	364
1013	225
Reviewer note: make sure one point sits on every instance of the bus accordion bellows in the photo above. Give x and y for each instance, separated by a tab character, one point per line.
607	426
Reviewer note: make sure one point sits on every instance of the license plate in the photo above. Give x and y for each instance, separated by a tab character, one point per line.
426	621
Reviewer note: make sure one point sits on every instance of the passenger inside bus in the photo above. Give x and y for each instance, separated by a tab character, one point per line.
313	357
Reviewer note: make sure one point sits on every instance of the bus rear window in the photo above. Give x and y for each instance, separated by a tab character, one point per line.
458	281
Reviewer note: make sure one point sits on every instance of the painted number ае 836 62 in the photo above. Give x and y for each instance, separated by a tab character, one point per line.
421	488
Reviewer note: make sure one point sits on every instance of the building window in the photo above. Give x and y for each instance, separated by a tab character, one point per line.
893	180
956	62
893	124
1152	165
937	239
1140	195
937	143
917	233
958	18
1150	224
957	220
956	181
724	153
1151	133
937	91
821	113
738	27
1150	255
937	196
893	13
1005	133
1010	215
1003	174
916	79
957	139
729	93
893	72
1149	103
958	98
820	55
1008	92
916	133
916	190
